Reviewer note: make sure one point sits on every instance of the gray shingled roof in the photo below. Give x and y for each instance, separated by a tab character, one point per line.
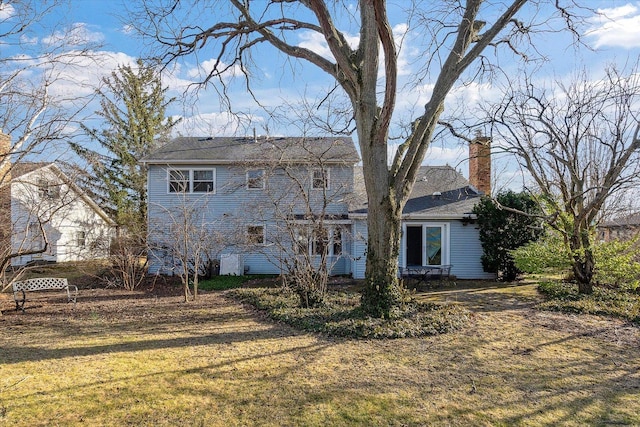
625	221
19	169
223	150
456	197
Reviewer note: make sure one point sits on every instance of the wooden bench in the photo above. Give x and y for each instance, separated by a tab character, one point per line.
20	289
423	273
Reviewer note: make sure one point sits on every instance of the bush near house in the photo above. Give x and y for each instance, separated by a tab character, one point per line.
503	228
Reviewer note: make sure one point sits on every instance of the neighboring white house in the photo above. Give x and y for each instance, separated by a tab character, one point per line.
258	203
47	207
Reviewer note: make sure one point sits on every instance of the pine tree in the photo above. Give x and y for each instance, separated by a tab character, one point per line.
133	104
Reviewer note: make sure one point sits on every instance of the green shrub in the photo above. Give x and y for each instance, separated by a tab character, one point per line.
502	230
547	255
616	263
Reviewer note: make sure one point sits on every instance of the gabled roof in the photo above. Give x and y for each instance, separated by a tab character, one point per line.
25	168
439	191
230	150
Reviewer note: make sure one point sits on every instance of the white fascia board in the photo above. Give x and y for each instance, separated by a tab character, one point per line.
240	162
420	216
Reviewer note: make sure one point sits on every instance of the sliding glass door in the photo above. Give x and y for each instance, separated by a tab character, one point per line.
426	244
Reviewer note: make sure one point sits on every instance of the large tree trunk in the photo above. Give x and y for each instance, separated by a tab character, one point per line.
583	261
382	290
381	293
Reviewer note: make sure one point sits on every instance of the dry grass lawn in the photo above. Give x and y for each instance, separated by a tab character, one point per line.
119	358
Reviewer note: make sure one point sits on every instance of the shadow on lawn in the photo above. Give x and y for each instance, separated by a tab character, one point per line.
16	354
484	296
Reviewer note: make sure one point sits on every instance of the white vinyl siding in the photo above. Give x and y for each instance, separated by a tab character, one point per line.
236	207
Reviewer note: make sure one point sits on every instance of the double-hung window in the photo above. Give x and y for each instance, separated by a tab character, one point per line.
203	181
321	241
48	189
255	234
81	239
192	181
179	181
255	179
320	179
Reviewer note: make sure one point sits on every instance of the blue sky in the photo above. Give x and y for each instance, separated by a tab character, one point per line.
614	38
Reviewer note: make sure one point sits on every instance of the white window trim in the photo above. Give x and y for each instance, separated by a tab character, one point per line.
190	171
263	180
330	227
81	238
327	175
446	239
264	234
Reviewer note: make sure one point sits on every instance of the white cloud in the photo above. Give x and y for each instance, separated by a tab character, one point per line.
438	155
616	27
75	35
80	75
127	29
202	70
472	93
212	124
24	39
404	50
316	42
6	11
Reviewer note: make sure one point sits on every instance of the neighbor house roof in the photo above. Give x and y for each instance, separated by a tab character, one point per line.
439	191
632	220
230	150
19	169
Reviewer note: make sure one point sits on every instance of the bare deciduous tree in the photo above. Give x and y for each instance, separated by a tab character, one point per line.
580	143
185	241
454	34
298	220
33	112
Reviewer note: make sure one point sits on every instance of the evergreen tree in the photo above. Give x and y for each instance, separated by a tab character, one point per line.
502	230
133	104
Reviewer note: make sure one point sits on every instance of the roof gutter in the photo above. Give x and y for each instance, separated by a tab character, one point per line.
411	217
245	162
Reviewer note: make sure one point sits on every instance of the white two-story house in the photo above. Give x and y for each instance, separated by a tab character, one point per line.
256	204
52	219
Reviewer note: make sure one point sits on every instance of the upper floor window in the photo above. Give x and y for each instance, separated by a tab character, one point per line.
192	181
203	181
320	178
255	179
47	189
179	181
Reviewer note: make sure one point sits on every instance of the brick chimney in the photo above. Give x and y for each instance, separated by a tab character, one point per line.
480	163
5	191
5	160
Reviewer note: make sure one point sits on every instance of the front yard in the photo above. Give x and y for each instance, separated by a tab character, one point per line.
135	358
